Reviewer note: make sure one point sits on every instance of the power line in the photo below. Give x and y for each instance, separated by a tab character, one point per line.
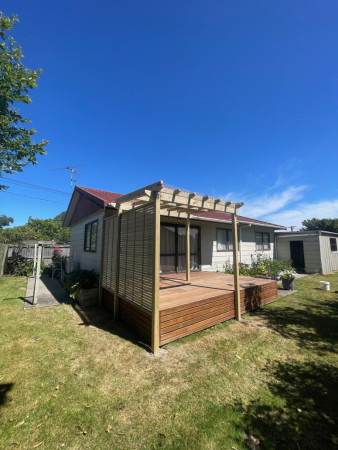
29	196
35	186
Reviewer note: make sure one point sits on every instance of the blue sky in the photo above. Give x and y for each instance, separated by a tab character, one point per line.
231	99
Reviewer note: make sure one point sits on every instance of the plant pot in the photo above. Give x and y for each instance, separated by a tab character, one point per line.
88	297
288	284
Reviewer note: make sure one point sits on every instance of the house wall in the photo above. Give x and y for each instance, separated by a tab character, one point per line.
214	260
329	259
211	259
311	247
78	257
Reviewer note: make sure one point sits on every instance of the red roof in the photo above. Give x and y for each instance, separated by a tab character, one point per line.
218	215
104	197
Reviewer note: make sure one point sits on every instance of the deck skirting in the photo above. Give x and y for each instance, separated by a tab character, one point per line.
186	308
189	318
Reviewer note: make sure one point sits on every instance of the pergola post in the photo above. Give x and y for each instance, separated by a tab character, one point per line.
155	333
187	248
236	267
117	265
101	262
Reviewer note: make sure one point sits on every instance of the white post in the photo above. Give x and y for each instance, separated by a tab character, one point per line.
35	256
37	275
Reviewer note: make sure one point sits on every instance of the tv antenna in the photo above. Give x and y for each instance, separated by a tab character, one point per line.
72	171
292	227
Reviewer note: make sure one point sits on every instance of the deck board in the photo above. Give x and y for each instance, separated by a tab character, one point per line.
207	300
175	291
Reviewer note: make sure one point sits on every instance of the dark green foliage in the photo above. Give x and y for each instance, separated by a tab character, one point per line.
17	149
81	279
18	266
320	224
5	221
37	229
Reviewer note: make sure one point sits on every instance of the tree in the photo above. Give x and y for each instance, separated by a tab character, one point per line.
320	224
37	229
5	221
17	148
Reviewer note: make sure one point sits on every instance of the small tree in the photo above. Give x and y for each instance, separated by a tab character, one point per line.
17	149
5	221
320	224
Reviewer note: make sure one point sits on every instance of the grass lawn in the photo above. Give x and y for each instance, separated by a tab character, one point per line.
69	380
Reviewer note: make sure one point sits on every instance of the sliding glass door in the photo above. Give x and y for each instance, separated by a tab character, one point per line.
173	248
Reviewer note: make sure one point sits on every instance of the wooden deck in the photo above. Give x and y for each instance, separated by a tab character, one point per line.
207	300
189	307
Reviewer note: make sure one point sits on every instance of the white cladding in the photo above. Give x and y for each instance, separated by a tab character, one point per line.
213	260
311	251
78	257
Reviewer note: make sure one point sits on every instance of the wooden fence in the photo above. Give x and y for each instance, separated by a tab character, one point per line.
3	258
27	252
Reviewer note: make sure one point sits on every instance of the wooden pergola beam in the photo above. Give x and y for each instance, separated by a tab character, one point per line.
155	187
185	199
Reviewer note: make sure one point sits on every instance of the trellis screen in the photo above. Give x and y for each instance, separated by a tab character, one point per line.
109	252
136	256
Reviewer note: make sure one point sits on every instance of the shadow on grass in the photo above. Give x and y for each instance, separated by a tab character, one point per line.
314	325
102	318
4	389
302	412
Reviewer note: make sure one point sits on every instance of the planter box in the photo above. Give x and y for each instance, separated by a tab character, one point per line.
88	297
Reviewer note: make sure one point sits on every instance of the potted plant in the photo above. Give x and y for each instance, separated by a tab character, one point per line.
83	286
288	279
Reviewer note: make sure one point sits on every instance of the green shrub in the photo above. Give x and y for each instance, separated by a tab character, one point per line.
260	267
19	266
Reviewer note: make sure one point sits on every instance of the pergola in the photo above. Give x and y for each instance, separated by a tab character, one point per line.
138	212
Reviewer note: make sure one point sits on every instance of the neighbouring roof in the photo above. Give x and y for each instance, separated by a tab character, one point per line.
86	201
307	233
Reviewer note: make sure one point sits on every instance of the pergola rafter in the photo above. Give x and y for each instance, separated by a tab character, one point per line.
175	202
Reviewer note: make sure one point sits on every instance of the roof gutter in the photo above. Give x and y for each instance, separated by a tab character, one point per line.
207	219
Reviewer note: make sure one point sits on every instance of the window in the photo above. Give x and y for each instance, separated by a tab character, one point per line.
333	244
262	241
90	237
224	240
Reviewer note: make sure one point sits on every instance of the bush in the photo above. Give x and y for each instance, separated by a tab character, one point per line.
270	267
244	269
81	279
261	267
19	266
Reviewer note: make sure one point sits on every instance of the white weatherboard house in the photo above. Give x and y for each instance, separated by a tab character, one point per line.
210	235
310	251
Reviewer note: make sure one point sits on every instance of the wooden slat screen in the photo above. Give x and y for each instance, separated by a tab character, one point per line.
109	255
136	256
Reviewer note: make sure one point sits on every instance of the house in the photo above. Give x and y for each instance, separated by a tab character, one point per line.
211	235
310	251
158	251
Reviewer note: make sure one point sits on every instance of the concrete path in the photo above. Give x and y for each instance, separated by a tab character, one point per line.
50	293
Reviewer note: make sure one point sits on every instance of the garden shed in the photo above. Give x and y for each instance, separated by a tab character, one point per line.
310	251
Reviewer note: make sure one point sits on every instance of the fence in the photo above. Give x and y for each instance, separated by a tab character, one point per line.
3	258
27	252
